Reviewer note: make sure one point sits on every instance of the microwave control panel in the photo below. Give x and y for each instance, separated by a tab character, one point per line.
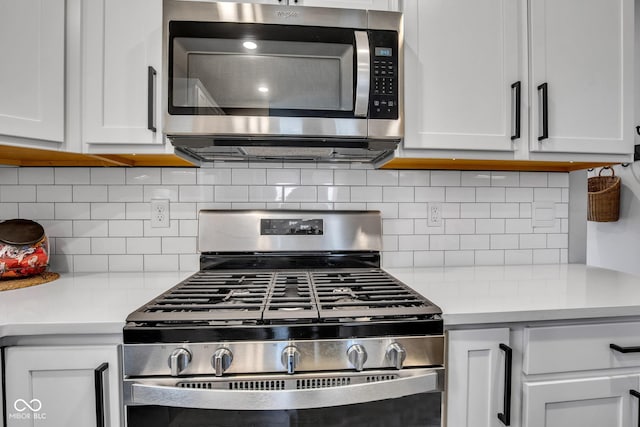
383	100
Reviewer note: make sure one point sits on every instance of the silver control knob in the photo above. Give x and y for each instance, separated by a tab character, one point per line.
396	355
290	358
179	360
357	356
221	360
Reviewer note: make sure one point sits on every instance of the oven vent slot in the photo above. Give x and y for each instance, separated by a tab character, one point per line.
201	384
256	385
376	378
322	383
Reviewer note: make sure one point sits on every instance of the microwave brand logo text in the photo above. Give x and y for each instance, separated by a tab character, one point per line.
287	14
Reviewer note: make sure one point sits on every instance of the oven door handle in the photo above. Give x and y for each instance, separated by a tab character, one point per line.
363	73
249	400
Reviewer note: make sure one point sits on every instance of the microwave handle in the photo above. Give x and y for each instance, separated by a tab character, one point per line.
363	73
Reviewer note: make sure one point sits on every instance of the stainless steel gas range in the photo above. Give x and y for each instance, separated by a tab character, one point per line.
290	322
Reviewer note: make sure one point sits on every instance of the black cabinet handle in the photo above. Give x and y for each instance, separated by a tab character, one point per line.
543	102
634	393
151	99
516	90
624	349
98	375
505	416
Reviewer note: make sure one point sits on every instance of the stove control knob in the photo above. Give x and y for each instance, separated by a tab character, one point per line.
290	358
396	355
357	356
221	360
179	360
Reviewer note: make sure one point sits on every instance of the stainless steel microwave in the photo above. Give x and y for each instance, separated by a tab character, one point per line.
289	82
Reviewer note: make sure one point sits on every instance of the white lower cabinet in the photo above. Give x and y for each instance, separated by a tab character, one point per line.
583	402
475	382
62	386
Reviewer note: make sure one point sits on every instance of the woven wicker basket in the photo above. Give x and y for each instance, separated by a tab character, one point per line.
604	197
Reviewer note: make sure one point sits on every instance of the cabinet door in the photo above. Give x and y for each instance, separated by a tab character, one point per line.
57	386
592	402
32	70
583	51
475	384
350	4
121	40
461	59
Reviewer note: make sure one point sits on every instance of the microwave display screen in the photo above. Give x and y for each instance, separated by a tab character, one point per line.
383	51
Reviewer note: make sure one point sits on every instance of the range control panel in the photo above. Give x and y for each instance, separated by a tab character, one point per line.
290	227
383	100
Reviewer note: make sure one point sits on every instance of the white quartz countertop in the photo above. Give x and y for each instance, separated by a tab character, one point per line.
98	303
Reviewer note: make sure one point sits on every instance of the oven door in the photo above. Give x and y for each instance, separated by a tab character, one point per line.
410	397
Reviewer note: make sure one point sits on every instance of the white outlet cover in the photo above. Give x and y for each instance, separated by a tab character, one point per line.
160	213
434	214
543	214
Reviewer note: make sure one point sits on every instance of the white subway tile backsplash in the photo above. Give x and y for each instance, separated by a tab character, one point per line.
413	178
349	177
34	211
316	177
429	194
459	226
90	193
505	210
98	219
178	176
300	194
90	263
35	176
161	262
126	263
110	176
505	179
108	210
196	193
127	228
366	194
108	245
54	193
249	176
492	194
213	176
445	178
72	211
9	176
283	176
428	258
72	176
413	243
90	228
460	194
475	179
144	245
559	179
444	242
382	177
140	176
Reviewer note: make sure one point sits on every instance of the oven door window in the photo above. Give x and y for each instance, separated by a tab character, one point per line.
420	410
260	70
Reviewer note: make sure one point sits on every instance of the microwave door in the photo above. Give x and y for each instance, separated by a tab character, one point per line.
363	73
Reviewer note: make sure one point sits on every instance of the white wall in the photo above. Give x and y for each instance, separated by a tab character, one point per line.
616	245
98	219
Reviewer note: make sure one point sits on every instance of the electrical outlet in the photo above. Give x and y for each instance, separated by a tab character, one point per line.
160	213
435	215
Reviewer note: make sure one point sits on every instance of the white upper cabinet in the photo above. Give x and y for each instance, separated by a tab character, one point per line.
462	58
32	42
121	93
583	52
